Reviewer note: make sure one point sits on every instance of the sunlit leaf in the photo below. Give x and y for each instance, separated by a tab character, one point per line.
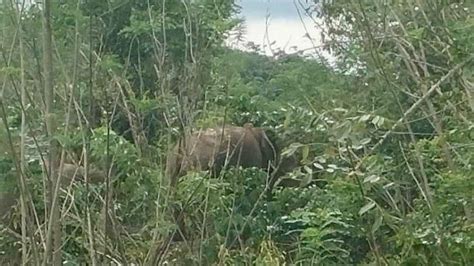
367	207
364	118
365	141
372	179
377	223
305	153
319	166
375	120
291	149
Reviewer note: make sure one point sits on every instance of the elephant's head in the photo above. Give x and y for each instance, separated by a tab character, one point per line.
72	172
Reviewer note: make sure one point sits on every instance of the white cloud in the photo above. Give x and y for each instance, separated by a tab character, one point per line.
286	29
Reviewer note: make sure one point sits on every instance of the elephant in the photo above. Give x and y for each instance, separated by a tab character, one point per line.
69	173
72	172
217	148
214	149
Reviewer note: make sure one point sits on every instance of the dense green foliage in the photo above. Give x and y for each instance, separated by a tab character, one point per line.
384	140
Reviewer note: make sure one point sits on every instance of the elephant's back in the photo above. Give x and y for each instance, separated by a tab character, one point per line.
214	148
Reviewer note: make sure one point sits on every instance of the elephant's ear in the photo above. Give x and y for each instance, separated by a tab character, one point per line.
269	150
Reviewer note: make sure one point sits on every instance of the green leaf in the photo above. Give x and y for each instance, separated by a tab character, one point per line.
14	71
364	118
342	110
372	179
367	207
292	149
343	131
317	165
375	120
287	121
330	170
377	223
416	33
321	159
305	153
381	122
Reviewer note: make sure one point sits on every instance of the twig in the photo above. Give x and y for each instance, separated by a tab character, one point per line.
415	106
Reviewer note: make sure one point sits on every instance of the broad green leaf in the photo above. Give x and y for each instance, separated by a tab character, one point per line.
372	179
375	120
377	223
364	118
305	152
291	149
367	207
319	166
416	33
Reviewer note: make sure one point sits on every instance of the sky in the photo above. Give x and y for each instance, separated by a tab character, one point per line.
288	29
285	27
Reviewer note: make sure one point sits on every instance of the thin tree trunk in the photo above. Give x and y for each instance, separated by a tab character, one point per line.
53	233
23	198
